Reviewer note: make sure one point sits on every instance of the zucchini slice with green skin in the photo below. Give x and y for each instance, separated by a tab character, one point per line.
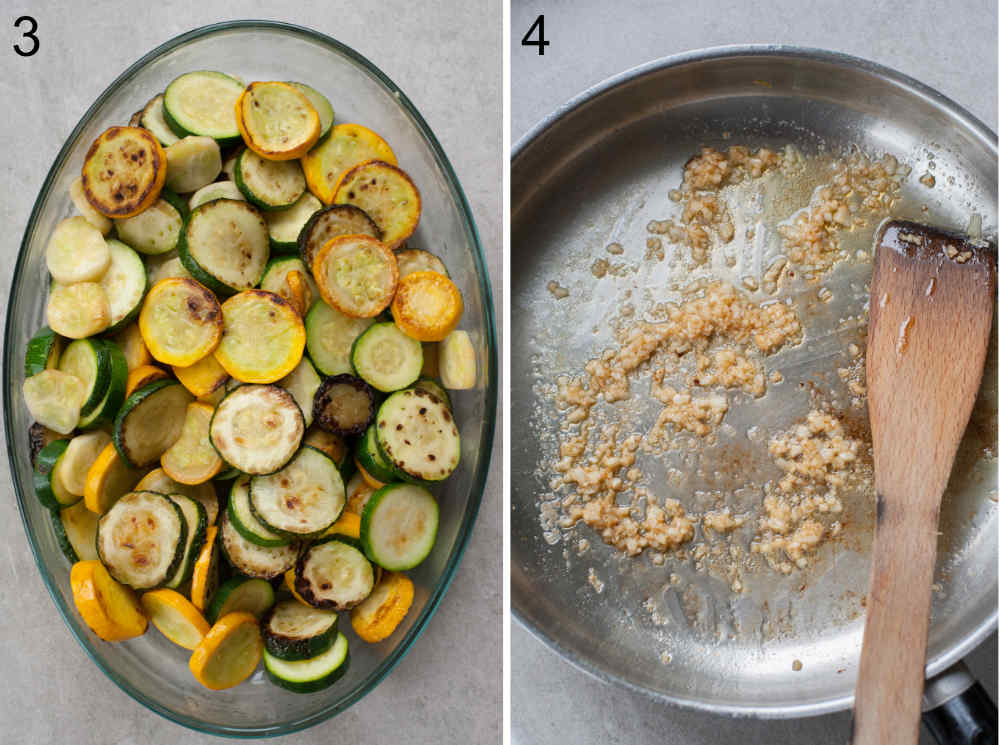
435	389
241	594
322	106
251	560
246	523
257	428
371	458
302	383
114	396
49	489
90	361
278	269
158	480
310	675
155	230
399	526
285	225
386	358
418	435
213	191
151	118
334	574
196	520
124	283
150	421
293	631
330	222
412	260
269	184
76	531
344	405
209	240
302	499
330	336
141	539
203	103
43	351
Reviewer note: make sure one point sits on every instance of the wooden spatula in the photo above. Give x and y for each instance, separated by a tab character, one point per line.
931	312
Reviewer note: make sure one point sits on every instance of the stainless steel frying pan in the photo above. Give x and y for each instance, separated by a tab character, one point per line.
597	171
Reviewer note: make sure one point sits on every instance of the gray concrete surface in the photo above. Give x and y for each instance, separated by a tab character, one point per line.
953	50
447	689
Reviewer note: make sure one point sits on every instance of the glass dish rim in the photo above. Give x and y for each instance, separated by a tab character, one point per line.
479	476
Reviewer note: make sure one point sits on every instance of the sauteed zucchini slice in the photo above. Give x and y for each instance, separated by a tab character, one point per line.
141	539
203	103
257	428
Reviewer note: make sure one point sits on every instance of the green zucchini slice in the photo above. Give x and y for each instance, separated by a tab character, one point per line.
330	222
322	106
386	358
269	184
49	488
293	631
151	118
257	428
141	539
90	361
329	337
285	225
224	244
302	499
150	421
310	675
263	562
418	435
155	230
241	594
371	458
43	351
213	191
302	383
124	283
107	410
334	574
246	523
196	520
203	103
76	531
399	526
435	389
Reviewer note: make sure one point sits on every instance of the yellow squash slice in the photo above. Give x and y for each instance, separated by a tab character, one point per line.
108	479
373	482
180	321
133	347
427	306
356	274
124	171
380	613
54	398
347	146
175	617
143	375
204	377
77	252
229	653
79	310
349	524
263	337
299	294
277	121
205	576
192	459
111	610
290	585
386	194
457	360
72	468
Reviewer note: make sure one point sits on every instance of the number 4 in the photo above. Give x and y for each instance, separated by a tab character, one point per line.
541	41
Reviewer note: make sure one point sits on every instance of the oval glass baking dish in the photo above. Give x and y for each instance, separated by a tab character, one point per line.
151	669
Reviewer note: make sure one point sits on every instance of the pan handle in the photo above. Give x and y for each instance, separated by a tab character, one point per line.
957	710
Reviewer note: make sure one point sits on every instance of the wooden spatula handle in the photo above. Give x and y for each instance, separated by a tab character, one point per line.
898	608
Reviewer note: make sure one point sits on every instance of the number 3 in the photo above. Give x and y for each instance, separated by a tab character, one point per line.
29	34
